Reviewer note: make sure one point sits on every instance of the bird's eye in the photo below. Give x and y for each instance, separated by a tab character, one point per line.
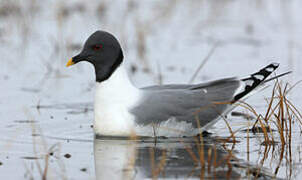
97	47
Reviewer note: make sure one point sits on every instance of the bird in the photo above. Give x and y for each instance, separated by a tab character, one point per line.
171	110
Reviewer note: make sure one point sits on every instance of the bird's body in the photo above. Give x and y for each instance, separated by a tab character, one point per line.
170	110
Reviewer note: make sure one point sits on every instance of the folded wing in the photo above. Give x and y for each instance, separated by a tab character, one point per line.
204	102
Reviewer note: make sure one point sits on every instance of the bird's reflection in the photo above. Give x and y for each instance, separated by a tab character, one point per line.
167	158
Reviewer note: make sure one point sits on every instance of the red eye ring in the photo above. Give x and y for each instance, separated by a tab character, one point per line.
97	47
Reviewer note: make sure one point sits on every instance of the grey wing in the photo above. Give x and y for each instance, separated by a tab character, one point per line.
204	102
187	86
168	86
186	102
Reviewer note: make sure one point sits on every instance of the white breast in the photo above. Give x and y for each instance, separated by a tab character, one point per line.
113	100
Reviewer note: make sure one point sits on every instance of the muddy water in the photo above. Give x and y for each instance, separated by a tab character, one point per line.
46	110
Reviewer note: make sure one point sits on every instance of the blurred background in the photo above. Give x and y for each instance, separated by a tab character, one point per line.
163	42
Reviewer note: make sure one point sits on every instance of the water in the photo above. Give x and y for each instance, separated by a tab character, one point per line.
169	158
46	109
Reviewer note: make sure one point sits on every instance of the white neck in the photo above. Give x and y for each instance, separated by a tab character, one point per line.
117	81
113	100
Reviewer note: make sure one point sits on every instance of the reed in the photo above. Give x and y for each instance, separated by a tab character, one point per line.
281	114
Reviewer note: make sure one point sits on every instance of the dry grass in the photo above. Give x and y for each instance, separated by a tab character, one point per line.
203	63
42	156
158	168
281	114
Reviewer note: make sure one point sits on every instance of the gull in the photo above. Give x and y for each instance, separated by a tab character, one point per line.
173	110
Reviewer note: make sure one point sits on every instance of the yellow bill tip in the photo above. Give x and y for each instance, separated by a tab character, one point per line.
69	63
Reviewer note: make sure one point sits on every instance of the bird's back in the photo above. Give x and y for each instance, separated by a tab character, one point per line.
186	103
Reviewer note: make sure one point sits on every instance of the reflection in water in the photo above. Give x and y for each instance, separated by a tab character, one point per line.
169	158
113	159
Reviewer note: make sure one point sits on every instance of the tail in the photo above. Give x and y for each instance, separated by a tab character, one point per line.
257	79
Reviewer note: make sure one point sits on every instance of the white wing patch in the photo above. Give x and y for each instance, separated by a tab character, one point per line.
249	82
259	77
270	69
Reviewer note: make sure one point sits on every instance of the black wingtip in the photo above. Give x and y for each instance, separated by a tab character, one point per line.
256	79
273	65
